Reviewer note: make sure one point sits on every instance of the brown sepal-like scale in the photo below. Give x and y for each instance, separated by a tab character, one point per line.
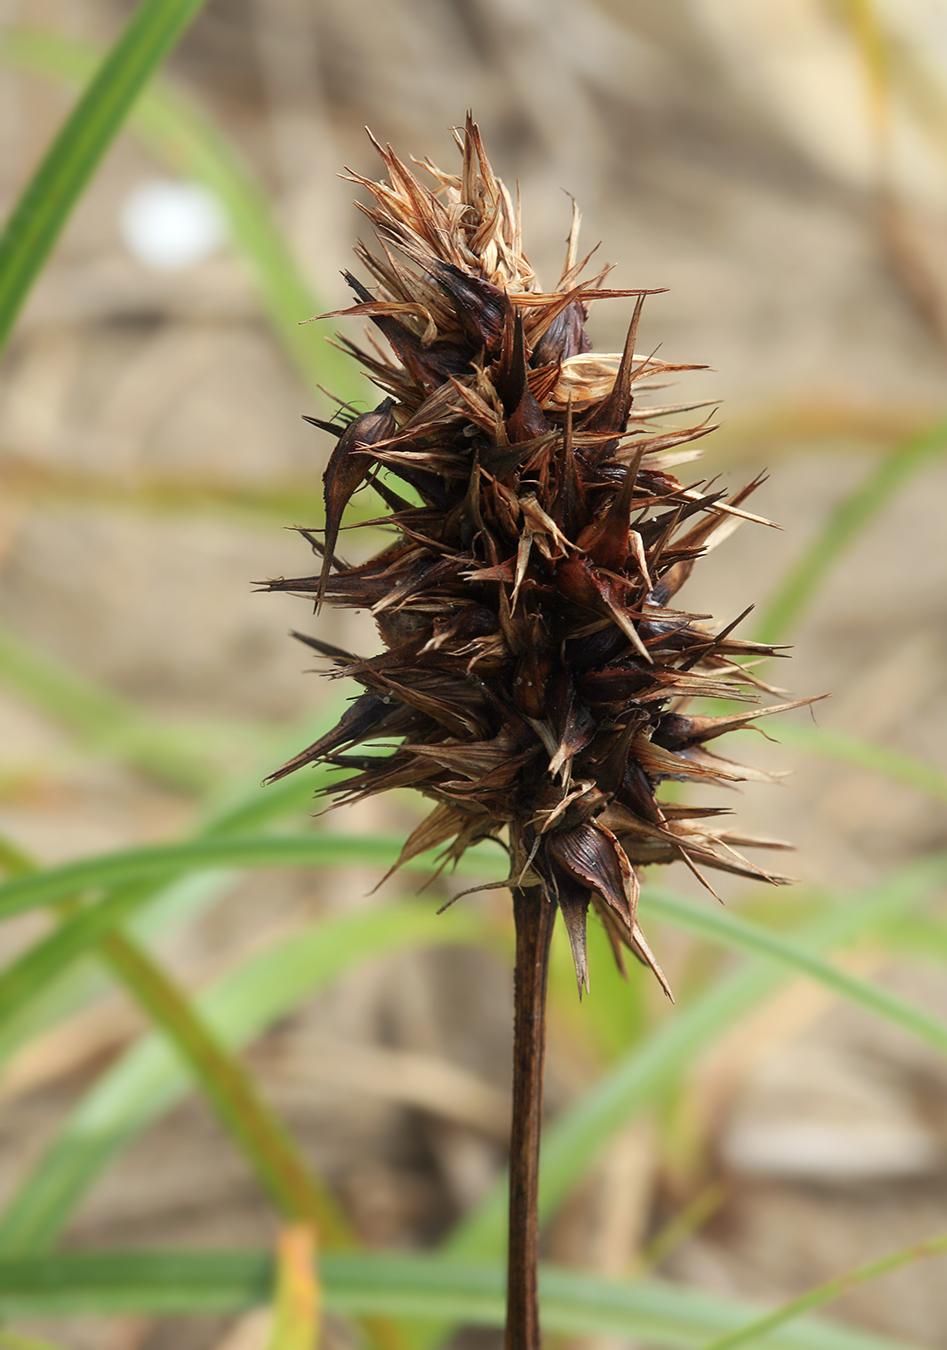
535	676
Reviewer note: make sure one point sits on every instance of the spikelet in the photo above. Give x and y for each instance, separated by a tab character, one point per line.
535	672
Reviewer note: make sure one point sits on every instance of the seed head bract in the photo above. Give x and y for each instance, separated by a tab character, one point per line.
536	668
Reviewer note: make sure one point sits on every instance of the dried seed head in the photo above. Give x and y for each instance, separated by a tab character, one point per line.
535	676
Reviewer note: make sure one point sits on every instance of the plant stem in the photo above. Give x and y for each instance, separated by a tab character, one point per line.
534	916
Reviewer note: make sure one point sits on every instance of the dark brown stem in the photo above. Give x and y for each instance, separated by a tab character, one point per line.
534	916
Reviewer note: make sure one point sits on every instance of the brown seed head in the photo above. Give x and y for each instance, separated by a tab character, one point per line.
535	674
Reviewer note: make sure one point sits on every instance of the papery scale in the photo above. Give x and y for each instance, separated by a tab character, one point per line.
535	675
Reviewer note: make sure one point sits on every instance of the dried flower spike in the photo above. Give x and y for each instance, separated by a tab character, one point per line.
535	673
535	676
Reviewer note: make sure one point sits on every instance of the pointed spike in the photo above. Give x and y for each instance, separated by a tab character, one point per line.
608	541
358	722
574	908
677	730
639	945
347	469
509	373
612	415
570	509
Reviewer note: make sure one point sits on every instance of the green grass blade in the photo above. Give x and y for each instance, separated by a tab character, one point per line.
783	611
576	1137
77	984
10	1340
921	936
727	930
167	860
30	974
652	1311
26	980
573	1141
248	803
673	1046
159	1282
13	861
845	749
642	1078
583	1129
232	1094
259	804
44	207
100	718
28	1003
181	135
753	1332
150	1079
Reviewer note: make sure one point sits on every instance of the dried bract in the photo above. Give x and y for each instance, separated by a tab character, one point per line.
536	675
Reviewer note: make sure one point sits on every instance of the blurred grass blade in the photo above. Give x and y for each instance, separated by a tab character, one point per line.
99	717
47	202
922	936
30	974
783	611
259	1134
168	860
298	1292
640	1079
761	1327
27	1002
258	804
583	1129
651	1311
75	985
33	971
141	1281
838	745
13	861
9	1340
229	1089
727	930
181	135
26	980
241	1004
231	1092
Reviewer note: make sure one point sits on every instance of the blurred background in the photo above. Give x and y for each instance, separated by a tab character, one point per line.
782	169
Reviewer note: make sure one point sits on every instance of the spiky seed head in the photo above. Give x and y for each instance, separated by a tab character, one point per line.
535	673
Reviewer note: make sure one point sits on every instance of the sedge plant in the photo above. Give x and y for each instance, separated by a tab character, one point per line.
536	668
